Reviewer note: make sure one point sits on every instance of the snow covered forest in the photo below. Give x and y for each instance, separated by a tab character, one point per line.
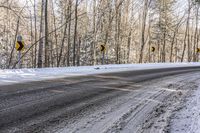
59	33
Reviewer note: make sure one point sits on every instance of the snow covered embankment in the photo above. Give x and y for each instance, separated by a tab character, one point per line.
8	76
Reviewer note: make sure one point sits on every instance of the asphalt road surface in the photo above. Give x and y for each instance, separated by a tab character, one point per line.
132	101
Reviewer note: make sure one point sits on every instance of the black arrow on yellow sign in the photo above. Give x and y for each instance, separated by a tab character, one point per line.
198	50
103	48
153	49
19	45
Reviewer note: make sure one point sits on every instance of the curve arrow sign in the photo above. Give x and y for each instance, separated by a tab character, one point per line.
153	49
19	45
103	48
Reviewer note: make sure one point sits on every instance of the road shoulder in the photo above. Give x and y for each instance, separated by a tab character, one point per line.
187	119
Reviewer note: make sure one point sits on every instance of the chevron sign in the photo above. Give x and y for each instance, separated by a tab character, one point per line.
19	44
103	48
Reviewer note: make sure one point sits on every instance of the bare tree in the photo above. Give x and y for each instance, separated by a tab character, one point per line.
75	33
40	50
144	17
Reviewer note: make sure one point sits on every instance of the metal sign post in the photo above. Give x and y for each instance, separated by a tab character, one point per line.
153	49
103	56
19	59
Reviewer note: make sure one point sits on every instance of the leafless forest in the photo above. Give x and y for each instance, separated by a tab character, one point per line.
59	33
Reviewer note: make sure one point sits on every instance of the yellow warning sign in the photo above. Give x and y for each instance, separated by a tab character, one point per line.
153	49
19	45
103	48
198	50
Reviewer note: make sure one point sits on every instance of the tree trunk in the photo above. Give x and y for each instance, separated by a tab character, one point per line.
40	50
69	33
144	16
46	36
186	34
93	47
63	42
128	46
55	33
32	49
78	52
196	35
75	33
11	54
35	17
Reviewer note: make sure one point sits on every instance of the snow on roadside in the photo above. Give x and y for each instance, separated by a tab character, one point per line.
131	113
187	119
8	76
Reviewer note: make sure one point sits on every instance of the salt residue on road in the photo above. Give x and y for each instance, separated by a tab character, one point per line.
8	76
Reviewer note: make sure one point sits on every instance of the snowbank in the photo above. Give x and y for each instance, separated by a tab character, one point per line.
11	76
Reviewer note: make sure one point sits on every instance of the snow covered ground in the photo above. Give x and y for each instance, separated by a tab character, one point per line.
187	119
8	76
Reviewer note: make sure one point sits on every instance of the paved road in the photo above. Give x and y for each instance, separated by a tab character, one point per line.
70	104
